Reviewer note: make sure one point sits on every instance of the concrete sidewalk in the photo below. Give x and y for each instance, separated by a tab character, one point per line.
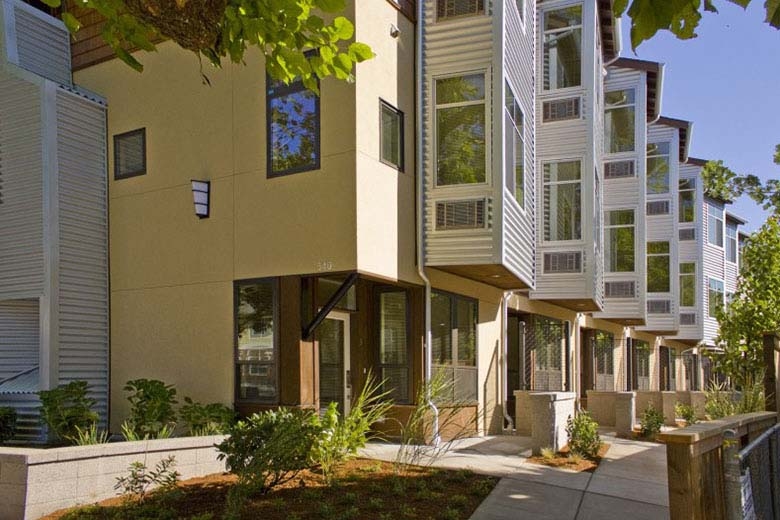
629	483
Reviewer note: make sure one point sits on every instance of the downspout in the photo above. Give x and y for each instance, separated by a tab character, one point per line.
421	222
509	424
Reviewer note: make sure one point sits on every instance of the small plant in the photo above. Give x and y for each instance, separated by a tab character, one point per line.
151	408
686	413
67	409
7	423
376	503
459	500
451	514
547	453
206	419
583	434
575	458
650	423
266	450
90	436
719	401
140	480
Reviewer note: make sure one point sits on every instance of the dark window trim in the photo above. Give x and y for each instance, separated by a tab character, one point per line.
276	400
142	132
378	335
292	88
453	344
401	149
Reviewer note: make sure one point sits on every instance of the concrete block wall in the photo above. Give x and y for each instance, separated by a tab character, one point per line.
601	406
550	412
36	482
523	416
646	398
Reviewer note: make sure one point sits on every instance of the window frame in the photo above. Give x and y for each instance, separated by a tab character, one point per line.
546	184
545	32
284	90
454	334
685	274
690	189
608	108
717	282
514	133
608	249
710	227
276	399
485	102
668	156
730	243
384	105
138	131
668	255
378	291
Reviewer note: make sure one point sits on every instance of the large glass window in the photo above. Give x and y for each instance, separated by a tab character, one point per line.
619	235
731	242
293	127
454	347
460	130
619	135
715	297
391	136
256	356
641	355
687	284
563	201
393	344
715	225
658	168
514	147
563	48
658	267
687	198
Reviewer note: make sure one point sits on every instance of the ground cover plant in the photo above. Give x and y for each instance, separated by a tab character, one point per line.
651	422
361	489
686	413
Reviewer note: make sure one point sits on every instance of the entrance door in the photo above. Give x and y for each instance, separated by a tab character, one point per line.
335	385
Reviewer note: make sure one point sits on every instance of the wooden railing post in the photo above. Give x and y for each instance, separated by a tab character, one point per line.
732	475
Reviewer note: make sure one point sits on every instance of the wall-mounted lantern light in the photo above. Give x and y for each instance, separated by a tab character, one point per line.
200	195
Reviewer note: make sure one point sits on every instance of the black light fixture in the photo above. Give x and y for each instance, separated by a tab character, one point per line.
200	195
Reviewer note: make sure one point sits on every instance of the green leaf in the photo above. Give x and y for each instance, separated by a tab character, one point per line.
52	3
330	6
619	7
344	29
773	13
741	3
71	22
360	52
128	59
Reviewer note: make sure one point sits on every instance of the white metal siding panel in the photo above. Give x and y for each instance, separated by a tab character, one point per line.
21	210
83	244
713	267
42	43
452	46
19	337
519	240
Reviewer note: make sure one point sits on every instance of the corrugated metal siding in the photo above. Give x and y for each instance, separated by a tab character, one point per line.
42	43
712	261
19	337
451	46
21	210
83	244
519	240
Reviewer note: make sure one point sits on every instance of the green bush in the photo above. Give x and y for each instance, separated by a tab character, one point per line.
67	409
206	419
340	438
266	450
583	433
7	423
141	480
650	423
719	402
686	413
151	408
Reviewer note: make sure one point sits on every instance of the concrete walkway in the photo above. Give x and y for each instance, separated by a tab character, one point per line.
629	483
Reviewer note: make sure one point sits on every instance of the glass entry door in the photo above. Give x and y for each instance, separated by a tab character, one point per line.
335	385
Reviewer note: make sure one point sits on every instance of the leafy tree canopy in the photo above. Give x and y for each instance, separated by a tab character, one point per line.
284	30
722	183
681	17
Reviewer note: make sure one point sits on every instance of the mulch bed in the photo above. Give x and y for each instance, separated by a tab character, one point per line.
362	489
563	459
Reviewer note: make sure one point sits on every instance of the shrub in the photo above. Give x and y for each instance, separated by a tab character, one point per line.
90	436
67	409
650	423
266	450
583	435
7	423
140	480
686	413
719	402
151	408
340	438
206	419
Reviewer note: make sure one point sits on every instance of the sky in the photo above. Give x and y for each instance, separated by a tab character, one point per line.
727	81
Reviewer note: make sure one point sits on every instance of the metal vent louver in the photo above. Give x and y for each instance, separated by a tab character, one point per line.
619	289
460	214
561	109
453	8
563	262
687	318
687	234
618	169
659	306
658	207
37	42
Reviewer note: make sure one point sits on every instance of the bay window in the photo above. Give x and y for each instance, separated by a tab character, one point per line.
687	200
562	48
619	110
563	201
715	225
460	130
731	242
658	267
657	168
715	297
619	235
687	284
514	147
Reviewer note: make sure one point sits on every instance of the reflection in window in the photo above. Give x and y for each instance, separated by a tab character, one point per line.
562	201
619	236
391	136
658	267
293	127
562	48
715	225
256	342
460	130
687	284
658	168
715	297
619	121
454	346
687	199
731	242
514	147
393	344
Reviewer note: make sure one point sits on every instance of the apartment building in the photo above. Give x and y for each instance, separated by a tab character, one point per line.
491	199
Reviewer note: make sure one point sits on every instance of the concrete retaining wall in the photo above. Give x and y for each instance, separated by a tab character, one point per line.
646	398
35	482
601	406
